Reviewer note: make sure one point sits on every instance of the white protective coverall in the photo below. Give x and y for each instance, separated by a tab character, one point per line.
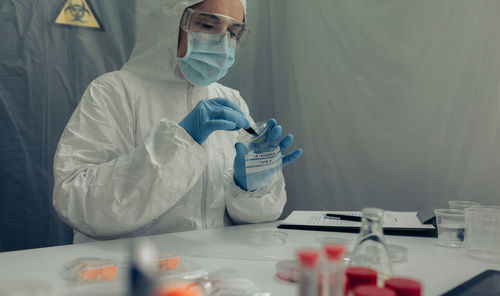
124	167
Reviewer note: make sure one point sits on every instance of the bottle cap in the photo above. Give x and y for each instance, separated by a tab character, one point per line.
308	258
372	290
357	275
404	286
334	252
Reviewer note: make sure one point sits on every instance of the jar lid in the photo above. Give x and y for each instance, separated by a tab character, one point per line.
372	290
404	286
334	252
308	258
358	275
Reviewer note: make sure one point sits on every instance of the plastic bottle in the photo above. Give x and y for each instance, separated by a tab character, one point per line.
404	286
370	249
358	276
334	270
309	275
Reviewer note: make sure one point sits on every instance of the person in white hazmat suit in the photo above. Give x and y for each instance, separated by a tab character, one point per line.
150	149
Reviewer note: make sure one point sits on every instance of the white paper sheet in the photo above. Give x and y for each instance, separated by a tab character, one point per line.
392	219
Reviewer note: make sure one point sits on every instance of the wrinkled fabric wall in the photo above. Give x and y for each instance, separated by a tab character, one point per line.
44	69
396	103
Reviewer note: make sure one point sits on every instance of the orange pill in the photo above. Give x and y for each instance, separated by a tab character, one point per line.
89	274
108	273
180	289
168	263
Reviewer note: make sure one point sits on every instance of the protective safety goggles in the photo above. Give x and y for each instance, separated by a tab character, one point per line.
213	23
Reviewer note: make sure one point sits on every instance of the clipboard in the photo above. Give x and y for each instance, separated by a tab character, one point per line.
394	223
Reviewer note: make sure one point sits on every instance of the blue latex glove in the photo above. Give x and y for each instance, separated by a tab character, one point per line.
211	115
271	136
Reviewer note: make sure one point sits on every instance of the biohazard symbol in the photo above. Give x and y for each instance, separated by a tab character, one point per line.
78	13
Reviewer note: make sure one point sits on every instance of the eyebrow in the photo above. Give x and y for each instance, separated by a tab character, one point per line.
210	16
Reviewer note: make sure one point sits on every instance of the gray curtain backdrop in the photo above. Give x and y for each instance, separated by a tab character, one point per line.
44	69
395	103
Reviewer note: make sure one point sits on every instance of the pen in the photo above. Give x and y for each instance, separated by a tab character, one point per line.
343	217
251	131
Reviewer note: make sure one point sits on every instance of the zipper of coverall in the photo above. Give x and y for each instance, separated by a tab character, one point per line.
204	201
204	174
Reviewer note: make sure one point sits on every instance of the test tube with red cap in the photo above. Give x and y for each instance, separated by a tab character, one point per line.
372	290
334	270
357	276
404	286
309	275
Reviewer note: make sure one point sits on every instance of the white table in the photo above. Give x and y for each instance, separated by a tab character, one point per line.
439	268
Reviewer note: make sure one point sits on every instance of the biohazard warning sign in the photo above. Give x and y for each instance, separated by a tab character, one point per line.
78	13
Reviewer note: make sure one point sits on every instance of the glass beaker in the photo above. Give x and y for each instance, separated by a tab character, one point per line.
370	249
450	224
482	233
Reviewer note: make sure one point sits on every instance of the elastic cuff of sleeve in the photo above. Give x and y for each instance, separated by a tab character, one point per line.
238	192
263	205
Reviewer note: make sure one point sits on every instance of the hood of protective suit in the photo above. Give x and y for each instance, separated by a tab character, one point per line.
155	52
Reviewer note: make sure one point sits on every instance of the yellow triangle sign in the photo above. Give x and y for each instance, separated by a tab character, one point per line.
78	13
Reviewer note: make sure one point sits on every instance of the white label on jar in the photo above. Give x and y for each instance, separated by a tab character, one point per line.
259	162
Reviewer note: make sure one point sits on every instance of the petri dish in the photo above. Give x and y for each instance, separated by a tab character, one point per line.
288	271
332	239
268	237
396	253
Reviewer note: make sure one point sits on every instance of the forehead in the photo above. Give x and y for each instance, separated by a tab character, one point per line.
232	8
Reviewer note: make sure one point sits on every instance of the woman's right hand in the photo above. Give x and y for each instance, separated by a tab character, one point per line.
211	115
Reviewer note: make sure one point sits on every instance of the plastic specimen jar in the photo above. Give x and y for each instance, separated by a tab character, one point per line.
450	225
309	275
263	158
334	280
482	233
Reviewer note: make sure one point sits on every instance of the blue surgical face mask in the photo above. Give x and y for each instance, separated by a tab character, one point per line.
208	57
